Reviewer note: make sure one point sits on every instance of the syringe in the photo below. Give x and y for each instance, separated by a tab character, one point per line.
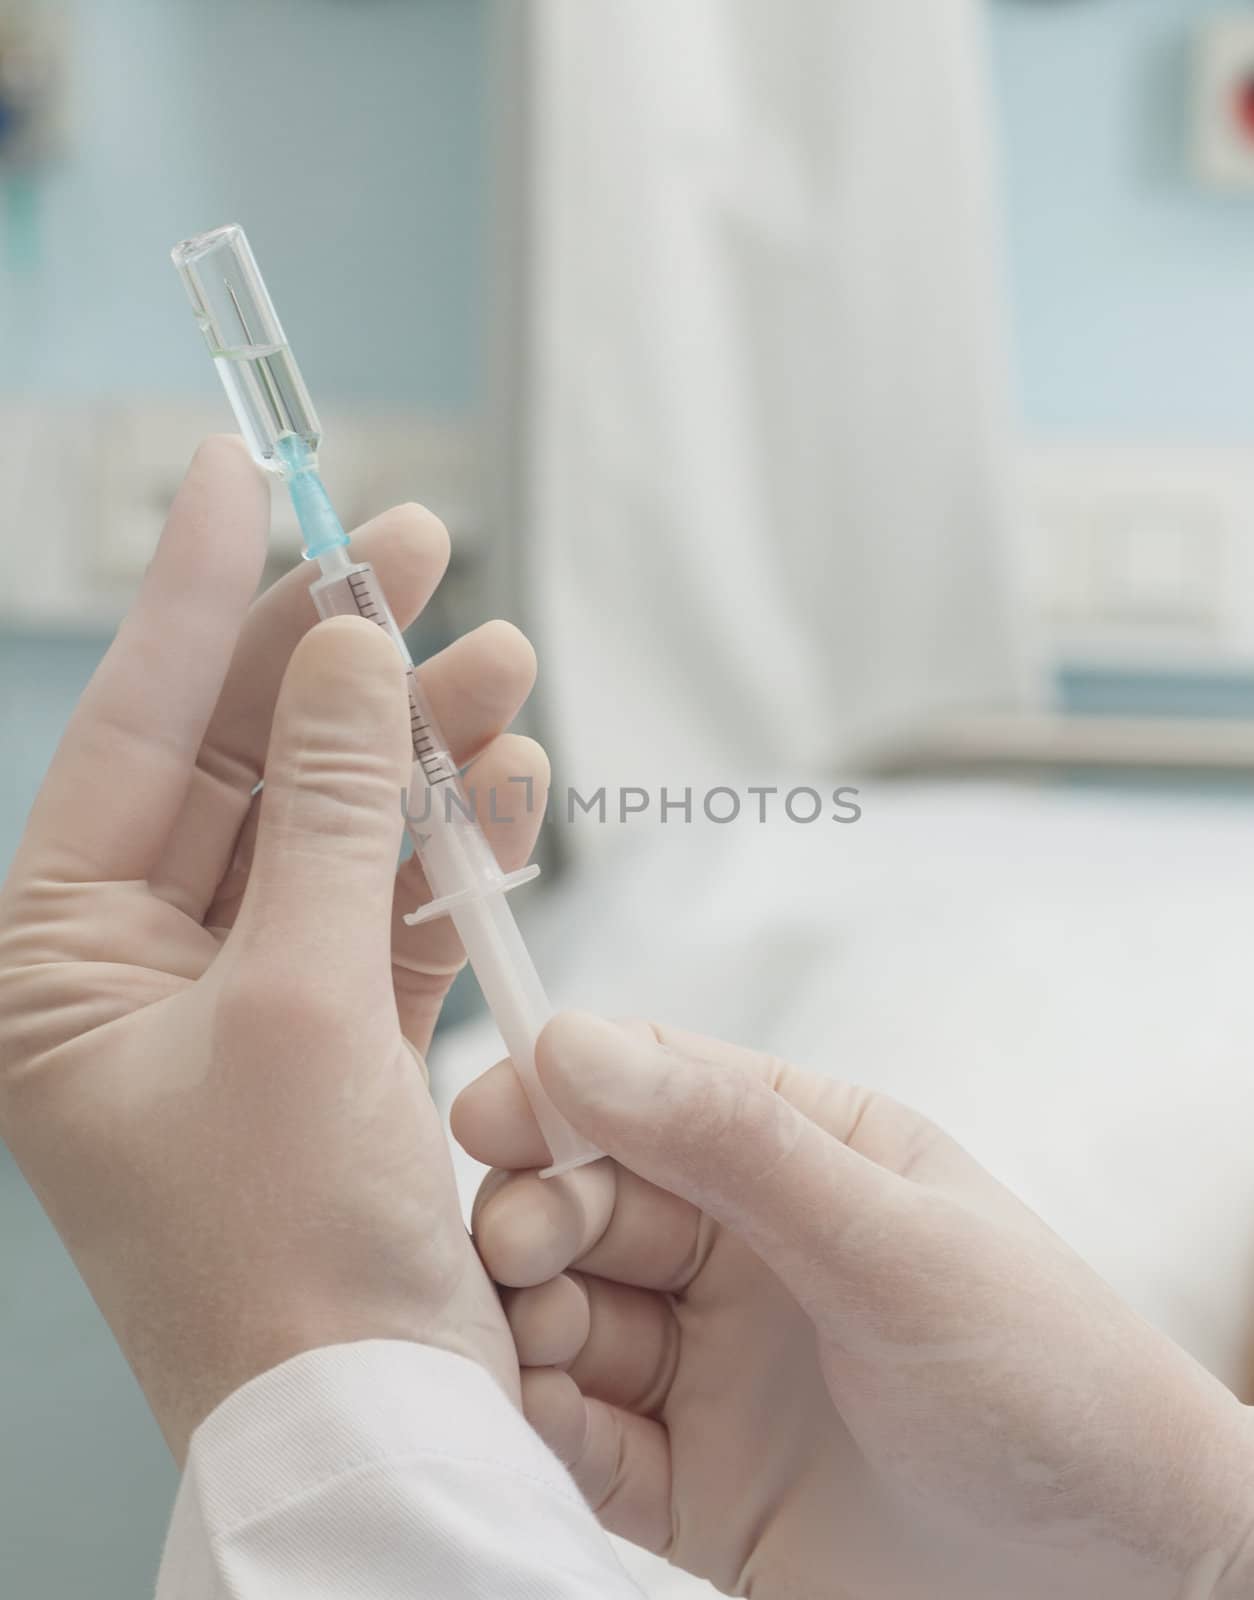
281	428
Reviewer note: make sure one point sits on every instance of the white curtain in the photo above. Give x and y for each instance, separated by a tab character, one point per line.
761	380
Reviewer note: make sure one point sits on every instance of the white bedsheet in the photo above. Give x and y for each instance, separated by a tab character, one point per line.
1061	977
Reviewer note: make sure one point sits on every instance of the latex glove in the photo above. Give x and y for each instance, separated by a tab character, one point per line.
800	1343
209	1007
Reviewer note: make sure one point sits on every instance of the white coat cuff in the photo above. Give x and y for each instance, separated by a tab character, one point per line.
333	1412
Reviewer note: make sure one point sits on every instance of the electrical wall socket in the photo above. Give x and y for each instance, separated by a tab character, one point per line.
1141	554
97	482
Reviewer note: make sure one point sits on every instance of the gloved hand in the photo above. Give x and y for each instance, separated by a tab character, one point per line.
798	1341
210	1011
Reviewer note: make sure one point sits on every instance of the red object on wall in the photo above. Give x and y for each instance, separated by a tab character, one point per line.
1243	107
1224	100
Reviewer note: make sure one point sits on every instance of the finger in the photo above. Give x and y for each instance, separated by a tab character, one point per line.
123	768
529	1229
716	1126
602	1218
222	913
550	1322
492	1118
409	549
330	822
619	1344
621	1462
478	685
508	787
497	661
493	1121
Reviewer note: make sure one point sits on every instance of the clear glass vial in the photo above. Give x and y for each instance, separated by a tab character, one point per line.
247	343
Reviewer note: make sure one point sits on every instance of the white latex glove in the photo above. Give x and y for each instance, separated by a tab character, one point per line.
210	1011
798	1341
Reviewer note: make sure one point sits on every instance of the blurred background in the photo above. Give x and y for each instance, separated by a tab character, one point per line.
841	393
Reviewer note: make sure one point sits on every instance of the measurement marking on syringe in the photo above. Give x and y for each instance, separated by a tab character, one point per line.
436	766
360	591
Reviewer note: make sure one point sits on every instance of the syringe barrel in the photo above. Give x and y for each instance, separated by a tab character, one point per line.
451	845
247	342
459	866
520	1008
352	590
440	815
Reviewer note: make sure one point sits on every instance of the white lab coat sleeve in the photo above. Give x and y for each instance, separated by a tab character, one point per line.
380	1469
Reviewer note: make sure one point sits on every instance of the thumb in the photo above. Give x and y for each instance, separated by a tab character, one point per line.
329	828
726	1129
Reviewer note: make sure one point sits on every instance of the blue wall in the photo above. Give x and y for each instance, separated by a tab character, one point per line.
1133	285
349	140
